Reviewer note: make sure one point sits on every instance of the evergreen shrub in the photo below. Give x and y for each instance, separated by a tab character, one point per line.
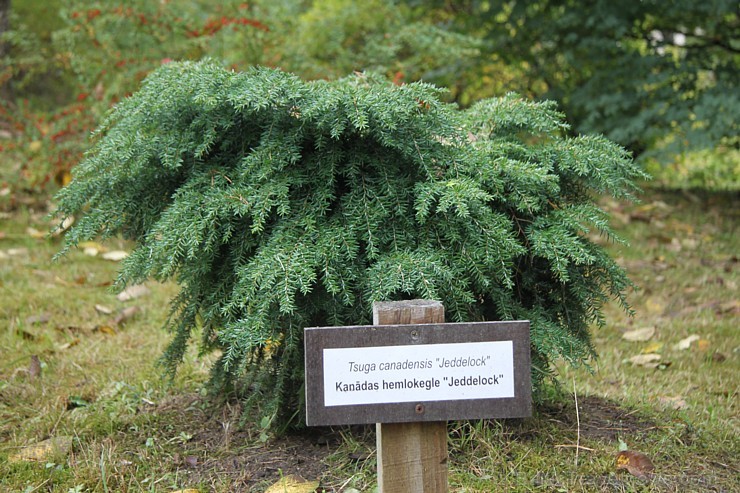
278	204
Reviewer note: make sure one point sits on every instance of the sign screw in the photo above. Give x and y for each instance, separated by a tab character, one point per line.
419	409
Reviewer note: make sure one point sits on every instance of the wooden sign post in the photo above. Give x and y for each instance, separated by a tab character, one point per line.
410	373
412	457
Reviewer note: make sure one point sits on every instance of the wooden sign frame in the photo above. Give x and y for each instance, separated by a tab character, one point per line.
416	338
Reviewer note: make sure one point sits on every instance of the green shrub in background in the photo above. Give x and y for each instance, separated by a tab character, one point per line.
58	83
82	59
709	169
278	204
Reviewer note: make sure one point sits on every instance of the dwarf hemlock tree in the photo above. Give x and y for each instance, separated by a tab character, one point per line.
278	204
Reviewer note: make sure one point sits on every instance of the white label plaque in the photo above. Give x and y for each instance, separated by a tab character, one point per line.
417	372
429	372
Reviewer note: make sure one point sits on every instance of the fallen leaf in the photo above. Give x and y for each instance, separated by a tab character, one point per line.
647	360
126	314
293	484
639	335
685	344
703	345
69	344
676	402
51	450
65	178
359	456
103	309
64	226
132	292
105	329
731	307
35	233
34	367
636	463
91	251
653	347
115	255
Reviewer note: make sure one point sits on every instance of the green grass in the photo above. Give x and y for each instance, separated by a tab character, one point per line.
133	431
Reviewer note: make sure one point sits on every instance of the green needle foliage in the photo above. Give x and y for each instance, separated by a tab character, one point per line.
278	204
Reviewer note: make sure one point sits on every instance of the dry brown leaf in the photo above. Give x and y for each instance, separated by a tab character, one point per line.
730	307
126	314
685	343
639	335
675	402
115	255
293	484
91	251
51	450
69	221
636	463
647	360
103	309
35	233
133	292
69	344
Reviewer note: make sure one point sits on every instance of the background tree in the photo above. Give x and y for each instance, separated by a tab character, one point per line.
657	77
68	65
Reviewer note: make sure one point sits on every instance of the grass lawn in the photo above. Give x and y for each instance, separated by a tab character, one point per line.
81	394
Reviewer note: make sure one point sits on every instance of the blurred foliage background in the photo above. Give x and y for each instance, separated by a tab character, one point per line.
659	78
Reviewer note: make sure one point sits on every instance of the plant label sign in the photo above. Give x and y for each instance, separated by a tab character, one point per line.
417	372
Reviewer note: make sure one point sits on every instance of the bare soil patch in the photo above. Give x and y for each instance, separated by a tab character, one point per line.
223	452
